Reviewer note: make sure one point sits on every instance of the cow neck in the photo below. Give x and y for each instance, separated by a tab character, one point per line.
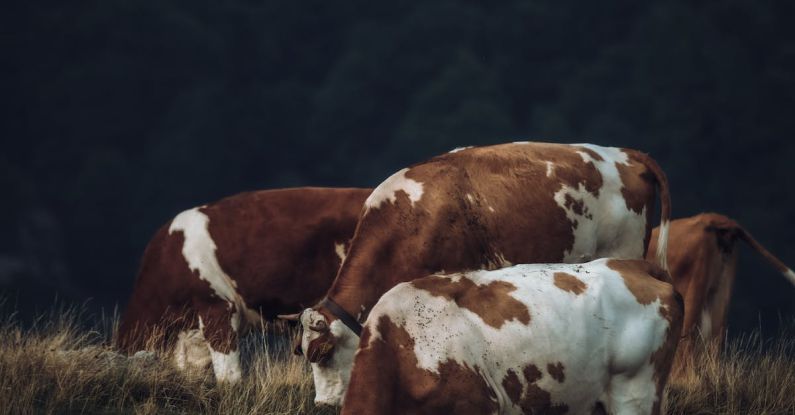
345	317
352	293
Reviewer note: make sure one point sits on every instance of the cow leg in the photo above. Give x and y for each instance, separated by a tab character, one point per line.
219	324
191	353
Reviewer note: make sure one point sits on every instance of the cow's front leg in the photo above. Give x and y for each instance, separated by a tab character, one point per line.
219	323
191	354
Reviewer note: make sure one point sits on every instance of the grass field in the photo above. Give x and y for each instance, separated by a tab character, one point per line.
56	366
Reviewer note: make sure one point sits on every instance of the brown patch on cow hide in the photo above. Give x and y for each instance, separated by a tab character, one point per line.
576	205
531	373
518	182
512	386
556	371
218	331
570	283
594	155
389	366
635	176
636	274
536	400
491	302
319	349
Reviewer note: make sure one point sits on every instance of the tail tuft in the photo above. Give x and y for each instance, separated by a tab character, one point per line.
790	276
662	244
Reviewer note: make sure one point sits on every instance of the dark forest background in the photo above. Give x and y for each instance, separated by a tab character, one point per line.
117	114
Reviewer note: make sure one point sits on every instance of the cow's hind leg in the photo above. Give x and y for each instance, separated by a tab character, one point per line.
219	324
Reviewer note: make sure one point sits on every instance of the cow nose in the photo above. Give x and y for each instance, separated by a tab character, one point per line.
326	403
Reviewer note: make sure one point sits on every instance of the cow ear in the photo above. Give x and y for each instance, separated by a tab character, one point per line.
319	350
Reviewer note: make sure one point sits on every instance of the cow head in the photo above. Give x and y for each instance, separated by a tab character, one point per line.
329	345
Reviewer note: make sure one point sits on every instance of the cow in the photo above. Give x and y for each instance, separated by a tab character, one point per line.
585	338
217	270
702	260
482	207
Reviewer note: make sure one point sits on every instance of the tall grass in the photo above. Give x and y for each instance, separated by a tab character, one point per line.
749	376
58	366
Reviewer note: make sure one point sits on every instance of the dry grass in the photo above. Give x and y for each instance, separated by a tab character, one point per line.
750	377
58	367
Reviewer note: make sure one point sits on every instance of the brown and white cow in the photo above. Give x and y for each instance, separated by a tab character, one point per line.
482	207
530	339
702	259
218	269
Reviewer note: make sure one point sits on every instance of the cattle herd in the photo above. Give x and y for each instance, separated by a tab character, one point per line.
501	279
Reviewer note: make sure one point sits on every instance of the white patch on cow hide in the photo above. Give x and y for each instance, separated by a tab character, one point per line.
387	190
339	249
550	168
457	149
191	352
332	376
619	230
199	252
603	337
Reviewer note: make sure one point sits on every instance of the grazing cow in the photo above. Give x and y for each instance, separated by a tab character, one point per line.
702	259
531	339
218	269
482	207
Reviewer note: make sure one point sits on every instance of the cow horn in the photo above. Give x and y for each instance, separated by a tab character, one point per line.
289	317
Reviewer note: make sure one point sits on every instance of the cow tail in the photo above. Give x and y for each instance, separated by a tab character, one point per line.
746	236
665	210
